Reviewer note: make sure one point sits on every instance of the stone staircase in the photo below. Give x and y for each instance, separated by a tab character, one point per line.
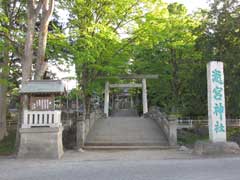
125	130
125	113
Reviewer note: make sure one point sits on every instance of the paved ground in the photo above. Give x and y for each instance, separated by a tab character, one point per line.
127	155
126	131
123	165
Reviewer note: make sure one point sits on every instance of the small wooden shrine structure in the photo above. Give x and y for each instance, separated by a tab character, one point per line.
41	128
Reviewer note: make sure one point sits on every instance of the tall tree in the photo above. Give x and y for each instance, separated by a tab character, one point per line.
11	16
96	43
167	48
220	40
41	65
44	9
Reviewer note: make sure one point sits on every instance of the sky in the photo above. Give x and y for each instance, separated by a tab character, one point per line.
192	5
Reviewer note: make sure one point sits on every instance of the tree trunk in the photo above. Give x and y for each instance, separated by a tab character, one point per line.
33	11
86	95
3	94
28	49
87	106
41	65
3	111
174	82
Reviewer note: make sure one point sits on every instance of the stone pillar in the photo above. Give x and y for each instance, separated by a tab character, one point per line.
106	99
80	134
172	131
117	103
144	96
112	102
216	102
132	103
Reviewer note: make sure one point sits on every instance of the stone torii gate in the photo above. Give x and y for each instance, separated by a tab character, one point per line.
143	85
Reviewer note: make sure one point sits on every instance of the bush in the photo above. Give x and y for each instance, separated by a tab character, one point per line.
233	134
7	145
188	137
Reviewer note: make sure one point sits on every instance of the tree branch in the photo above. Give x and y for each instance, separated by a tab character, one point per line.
50	8
16	45
38	8
7	37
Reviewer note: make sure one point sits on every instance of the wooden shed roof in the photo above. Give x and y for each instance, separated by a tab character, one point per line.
42	86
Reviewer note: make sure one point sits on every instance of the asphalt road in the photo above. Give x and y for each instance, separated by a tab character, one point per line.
121	169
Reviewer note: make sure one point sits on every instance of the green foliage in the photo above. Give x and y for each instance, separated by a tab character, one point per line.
96	45
112	37
189	137
231	132
7	145
167	48
12	14
161	39
220	40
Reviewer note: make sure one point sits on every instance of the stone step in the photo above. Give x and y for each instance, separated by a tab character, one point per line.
128	147
164	143
126	131
125	113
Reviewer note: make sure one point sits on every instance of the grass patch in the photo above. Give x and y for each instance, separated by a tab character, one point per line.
188	137
231	132
7	145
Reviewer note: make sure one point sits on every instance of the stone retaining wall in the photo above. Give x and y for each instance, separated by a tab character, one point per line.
84	127
168	124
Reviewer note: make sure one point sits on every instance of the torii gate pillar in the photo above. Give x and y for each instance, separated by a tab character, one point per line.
106	99
144	96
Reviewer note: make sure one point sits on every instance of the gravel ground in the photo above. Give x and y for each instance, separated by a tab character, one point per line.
123	165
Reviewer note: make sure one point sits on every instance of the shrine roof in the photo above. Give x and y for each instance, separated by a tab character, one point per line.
43	86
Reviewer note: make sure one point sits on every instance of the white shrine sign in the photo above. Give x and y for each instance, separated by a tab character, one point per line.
216	102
